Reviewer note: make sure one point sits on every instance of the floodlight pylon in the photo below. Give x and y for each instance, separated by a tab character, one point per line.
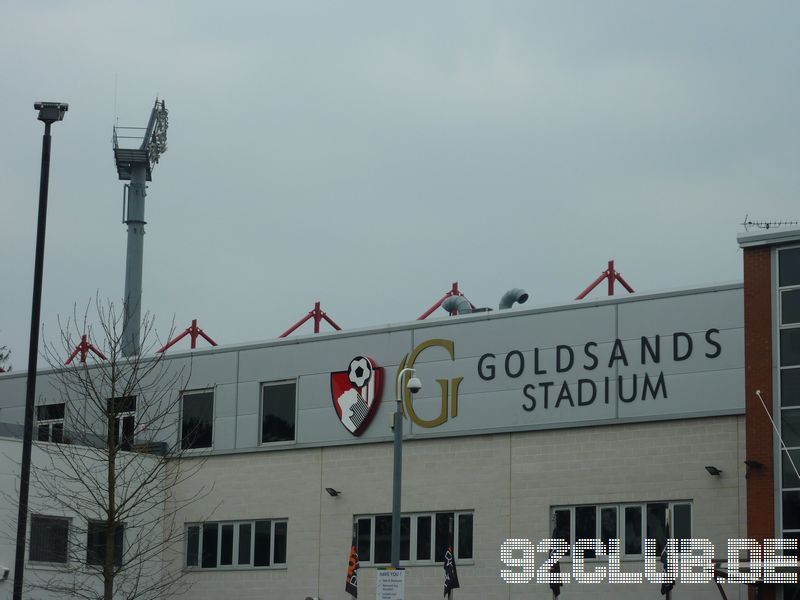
135	164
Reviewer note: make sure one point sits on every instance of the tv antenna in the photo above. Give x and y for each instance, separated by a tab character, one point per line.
747	224
135	164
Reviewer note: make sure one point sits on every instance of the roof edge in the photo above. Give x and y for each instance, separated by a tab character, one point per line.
435	322
768	238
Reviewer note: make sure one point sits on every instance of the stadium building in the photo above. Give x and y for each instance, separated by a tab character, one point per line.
613	418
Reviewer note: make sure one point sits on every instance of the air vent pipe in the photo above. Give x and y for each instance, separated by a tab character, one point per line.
458	305
511	296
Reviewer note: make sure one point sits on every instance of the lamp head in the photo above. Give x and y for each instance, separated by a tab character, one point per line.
49	112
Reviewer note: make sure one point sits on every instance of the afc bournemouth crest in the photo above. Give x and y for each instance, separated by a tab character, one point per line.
356	393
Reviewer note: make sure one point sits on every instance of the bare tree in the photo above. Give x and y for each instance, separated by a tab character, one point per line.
114	467
5	354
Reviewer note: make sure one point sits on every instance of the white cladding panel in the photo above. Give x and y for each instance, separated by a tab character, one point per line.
582	365
546	329
663	356
288	360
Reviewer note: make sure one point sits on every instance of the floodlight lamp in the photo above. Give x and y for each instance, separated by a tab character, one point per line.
49	112
714	471
157	144
332	492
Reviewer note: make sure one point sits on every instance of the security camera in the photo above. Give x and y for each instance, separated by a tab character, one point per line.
414	385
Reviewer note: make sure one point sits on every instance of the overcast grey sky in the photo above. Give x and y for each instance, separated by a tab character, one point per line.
368	154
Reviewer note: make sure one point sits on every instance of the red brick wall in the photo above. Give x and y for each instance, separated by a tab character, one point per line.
758	376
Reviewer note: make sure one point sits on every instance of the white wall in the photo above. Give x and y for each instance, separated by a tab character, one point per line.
46	461
510	480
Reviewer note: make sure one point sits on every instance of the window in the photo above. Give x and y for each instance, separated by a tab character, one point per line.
591	522
788	333
633	530
790	479
791	509
96	543
790	307
586	525
608	523
364	539
464	548
790	347
681	521
236	544
197	420
657	524
790	387
278	411
49	539
624	522
124	410
562	524
50	423
789	267
424	538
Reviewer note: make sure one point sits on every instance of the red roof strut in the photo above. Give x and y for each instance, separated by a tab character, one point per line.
318	315
454	291
611	275
84	348
194	331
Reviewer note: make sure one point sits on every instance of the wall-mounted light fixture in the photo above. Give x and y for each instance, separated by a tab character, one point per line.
333	492
752	464
714	471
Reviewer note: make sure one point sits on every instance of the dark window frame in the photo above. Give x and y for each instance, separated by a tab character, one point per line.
621	521
53	423
413	548
35	554
196	531
783	310
779	272
95	550
124	409
264	386
191	444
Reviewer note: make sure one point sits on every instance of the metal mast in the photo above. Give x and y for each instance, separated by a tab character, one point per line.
136	165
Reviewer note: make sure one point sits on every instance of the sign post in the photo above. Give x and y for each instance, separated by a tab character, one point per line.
391	584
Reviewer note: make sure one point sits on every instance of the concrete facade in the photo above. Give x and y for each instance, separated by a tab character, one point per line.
502	450
511	481
47	462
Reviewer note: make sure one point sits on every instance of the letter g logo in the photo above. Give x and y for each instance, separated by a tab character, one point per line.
447	393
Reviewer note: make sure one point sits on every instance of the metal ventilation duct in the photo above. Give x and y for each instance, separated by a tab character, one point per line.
457	304
511	296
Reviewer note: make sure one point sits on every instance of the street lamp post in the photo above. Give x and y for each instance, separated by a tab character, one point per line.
49	113
413	386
